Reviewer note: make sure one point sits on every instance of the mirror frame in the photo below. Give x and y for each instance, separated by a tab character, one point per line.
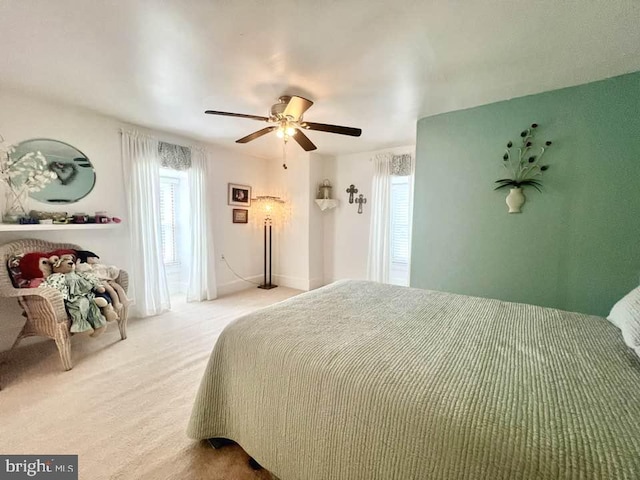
93	168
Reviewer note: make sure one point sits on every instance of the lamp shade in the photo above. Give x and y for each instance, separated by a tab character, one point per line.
269	208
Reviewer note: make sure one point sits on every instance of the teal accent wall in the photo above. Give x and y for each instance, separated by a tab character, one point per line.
576	246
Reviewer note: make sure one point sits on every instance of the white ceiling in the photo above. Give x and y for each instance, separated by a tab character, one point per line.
377	65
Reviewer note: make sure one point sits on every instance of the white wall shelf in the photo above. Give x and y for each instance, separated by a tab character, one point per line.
327	204
41	227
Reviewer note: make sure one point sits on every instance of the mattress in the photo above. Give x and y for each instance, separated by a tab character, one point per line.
360	380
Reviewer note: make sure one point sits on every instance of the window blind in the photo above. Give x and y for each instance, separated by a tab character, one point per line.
168	219
400	220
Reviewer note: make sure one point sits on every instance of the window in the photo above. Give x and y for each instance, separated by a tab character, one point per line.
400	229
174	226
169	196
400	220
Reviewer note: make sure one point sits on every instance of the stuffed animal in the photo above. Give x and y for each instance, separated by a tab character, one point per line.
89	262
77	291
61	252
105	296
35	267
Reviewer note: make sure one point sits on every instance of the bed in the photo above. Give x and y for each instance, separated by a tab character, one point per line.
359	380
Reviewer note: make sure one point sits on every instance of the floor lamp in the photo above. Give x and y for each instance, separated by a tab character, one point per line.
271	208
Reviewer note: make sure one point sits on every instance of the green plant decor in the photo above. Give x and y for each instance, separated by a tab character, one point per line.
524	166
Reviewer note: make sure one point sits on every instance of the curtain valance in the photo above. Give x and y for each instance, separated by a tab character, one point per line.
401	165
173	156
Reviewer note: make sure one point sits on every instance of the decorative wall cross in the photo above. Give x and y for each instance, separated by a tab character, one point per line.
351	190
360	200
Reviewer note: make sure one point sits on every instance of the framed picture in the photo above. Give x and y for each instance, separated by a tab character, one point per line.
240	215
239	195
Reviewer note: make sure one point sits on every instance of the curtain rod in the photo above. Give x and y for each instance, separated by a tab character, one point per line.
137	133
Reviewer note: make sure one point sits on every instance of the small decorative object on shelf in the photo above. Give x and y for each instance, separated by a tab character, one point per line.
32	171
360	201
35	217
324	191
101	217
352	190
58	218
80	218
525	170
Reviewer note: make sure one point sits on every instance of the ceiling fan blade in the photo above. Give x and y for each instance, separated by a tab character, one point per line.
304	141
324	127
240	115
255	135
296	107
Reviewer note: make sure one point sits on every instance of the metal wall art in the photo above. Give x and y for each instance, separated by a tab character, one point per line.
351	191
360	200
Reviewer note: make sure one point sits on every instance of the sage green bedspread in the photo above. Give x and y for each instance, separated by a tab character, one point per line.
359	380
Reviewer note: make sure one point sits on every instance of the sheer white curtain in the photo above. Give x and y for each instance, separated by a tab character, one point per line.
142	182
202	273
378	262
385	166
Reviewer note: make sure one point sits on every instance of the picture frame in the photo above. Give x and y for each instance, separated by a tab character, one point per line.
239	195
240	215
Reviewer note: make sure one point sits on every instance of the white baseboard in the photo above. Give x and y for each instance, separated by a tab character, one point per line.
238	285
298	283
316	283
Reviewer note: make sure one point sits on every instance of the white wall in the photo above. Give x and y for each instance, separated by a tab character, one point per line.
346	233
298	245
291	240
241	243
318	165
23	117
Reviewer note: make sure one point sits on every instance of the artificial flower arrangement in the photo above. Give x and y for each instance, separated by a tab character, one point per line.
28	173
524	166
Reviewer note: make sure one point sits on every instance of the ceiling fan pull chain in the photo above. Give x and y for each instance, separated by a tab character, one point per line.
284	153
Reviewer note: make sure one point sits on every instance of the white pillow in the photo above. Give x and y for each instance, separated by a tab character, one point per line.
626	316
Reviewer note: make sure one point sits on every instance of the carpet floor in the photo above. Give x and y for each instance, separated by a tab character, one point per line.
125	405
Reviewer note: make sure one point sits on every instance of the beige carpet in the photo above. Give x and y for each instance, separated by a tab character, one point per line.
125	405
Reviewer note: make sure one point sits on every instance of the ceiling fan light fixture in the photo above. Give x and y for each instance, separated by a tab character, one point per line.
286	119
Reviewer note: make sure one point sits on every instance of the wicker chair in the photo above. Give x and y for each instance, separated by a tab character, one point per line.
44	307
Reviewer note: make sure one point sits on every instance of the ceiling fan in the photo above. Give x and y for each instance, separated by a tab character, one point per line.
286	119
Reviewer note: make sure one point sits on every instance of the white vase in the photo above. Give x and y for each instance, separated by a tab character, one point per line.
515	200
14	204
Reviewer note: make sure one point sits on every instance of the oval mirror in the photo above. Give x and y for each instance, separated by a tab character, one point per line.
74	176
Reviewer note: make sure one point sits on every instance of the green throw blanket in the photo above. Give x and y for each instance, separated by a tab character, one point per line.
363	381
